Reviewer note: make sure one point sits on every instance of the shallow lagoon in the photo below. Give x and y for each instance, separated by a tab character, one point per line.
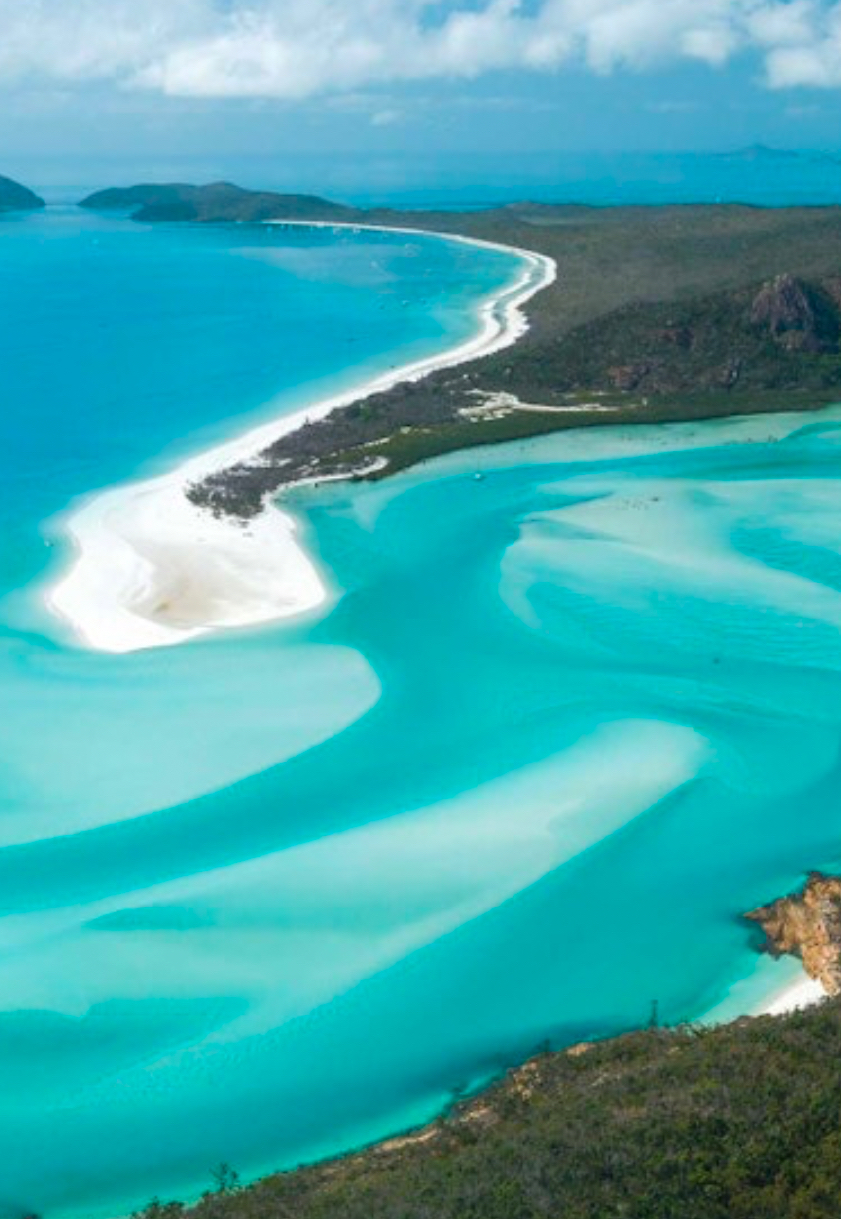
276	893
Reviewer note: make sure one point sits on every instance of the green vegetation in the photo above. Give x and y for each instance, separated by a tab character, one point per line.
737	1122
220	201
676	313
662	313
409	448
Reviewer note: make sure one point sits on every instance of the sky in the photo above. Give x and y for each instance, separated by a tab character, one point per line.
169	85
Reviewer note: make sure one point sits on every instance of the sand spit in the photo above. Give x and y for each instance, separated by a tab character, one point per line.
151	569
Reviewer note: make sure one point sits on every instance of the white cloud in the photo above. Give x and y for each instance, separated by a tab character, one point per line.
300	48
802	43
386	118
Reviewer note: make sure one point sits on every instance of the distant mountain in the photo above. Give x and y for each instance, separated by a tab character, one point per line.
16	198
761	152
217	201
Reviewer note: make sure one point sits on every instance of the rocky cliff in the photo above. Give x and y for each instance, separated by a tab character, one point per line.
798	315
808	925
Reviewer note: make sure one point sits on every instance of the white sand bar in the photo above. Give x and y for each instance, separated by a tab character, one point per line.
151	569
803	993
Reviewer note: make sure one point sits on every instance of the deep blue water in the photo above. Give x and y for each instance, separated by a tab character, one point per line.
760	176
269	895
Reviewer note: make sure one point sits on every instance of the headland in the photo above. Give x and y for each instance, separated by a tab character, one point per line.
665	329
153	567
658	314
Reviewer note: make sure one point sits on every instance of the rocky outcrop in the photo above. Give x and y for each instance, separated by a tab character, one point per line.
17	198
798	315
628	377
676	336
808	925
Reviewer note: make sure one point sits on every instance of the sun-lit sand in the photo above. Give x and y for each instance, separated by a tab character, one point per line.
803	993
151	569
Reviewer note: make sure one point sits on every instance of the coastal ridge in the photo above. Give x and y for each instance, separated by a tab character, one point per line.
659	314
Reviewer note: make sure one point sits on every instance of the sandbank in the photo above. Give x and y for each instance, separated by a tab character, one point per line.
151	569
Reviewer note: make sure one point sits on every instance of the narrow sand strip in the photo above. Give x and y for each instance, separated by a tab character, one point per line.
151	569
803	993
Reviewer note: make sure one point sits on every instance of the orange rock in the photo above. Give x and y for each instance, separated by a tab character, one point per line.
808	925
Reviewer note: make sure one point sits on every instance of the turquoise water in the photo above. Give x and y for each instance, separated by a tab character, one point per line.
275	893
763	177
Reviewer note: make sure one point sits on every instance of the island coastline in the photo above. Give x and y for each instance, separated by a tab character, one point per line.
153	568
797	996
183	570
666	314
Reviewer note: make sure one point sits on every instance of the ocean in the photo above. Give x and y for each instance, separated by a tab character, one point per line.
274	893
758	175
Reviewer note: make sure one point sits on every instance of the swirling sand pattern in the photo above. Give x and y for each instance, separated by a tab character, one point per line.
592	712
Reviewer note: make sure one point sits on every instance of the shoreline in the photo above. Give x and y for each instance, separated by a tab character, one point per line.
805	992
152	569
102	521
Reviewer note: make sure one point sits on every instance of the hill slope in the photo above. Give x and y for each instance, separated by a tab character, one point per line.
17	198
658	313
219	201
738	1122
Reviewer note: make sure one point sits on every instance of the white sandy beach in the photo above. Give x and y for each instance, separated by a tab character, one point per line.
150	569
803	993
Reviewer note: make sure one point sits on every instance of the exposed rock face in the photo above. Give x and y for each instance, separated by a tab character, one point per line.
676	336
798	316
808	925
17	198
628	377
730	373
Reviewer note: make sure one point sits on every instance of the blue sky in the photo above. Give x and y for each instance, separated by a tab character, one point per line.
163	83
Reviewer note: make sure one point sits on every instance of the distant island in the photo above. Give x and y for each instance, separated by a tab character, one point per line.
218	202
658	314
17	198
763	153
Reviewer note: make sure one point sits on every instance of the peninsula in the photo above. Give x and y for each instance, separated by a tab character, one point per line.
17	198
658	314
